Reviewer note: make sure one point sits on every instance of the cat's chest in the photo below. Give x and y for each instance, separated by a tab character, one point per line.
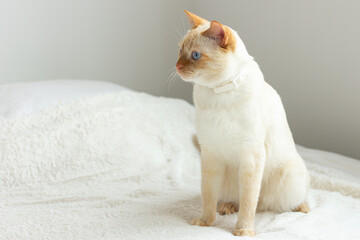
223	131
225	122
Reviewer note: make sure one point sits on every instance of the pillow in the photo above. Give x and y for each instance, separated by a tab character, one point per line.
19	99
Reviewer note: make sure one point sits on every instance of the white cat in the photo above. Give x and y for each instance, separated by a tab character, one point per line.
248	156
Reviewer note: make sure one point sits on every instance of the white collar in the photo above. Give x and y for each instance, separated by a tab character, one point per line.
234	82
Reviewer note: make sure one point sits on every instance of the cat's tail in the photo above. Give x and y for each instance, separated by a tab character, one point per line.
196	142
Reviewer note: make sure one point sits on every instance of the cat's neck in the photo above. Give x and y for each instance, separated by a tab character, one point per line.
236	80
248	88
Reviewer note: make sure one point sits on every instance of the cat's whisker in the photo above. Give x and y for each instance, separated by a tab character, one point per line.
170	76
174	80
171	69
178	32
173	76
168	82
171	79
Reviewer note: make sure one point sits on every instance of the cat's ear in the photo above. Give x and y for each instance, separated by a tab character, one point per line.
195	20
219	33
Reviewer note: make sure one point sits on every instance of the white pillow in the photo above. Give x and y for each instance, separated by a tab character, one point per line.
20	99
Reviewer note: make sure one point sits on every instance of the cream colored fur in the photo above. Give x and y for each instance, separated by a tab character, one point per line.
248	155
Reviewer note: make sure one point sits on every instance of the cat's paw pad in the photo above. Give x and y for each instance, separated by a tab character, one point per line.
225	208
199	222
304	207
244	232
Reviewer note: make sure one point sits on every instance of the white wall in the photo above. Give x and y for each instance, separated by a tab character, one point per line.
110	40
308	50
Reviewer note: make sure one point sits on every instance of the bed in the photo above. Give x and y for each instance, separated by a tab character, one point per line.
95	160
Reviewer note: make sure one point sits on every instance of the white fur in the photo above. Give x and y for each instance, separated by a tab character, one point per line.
245	131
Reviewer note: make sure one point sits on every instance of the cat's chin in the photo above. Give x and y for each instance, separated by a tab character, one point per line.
186	79
197	81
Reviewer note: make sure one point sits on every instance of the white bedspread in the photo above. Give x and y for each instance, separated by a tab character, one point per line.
123	166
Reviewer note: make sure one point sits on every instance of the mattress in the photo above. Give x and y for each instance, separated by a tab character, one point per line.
106	162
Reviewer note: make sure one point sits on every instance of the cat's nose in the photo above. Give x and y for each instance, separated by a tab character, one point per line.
179	66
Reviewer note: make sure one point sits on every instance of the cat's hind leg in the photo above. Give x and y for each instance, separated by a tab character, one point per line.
225	208
285	189
303	207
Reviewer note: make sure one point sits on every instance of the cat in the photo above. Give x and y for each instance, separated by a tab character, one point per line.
249	161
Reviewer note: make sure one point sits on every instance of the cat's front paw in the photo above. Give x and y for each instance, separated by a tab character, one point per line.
244	232
200	222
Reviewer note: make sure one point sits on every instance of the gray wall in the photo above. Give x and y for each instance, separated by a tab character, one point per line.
308	50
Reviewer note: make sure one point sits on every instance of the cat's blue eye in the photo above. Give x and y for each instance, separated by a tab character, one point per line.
180	51
195	55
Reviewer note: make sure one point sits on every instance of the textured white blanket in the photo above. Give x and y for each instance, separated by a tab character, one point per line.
123	166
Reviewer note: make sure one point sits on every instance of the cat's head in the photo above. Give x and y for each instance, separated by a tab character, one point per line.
209	53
